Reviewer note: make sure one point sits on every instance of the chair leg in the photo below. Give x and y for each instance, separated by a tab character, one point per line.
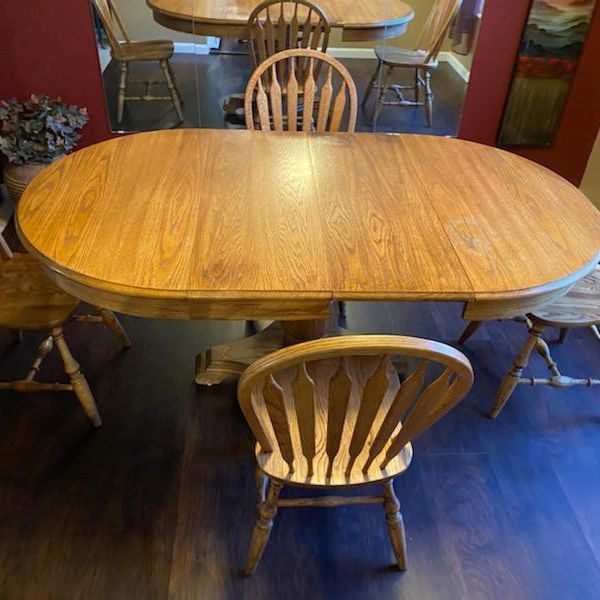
261	484
428	99
372	83
122	91
170	79
43	350
110	320
78	381
381	95
5	251
262	530
395	523
512	377
562	336
470	329
417	86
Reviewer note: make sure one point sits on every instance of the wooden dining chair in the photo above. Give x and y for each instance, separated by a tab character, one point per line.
277	25
291	76
580	307
333	414
125	51
422	60
30	301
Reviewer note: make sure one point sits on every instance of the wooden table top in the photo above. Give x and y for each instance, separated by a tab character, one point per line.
375	19
241	224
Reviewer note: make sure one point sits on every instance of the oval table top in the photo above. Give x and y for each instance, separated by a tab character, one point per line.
375	19
205	223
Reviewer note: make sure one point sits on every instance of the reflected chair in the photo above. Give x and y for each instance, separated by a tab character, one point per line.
124	51
287	84
334	414
277	25
422	60
580	307
30	301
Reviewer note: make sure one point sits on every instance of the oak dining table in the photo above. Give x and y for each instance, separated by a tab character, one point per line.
217	224
358	21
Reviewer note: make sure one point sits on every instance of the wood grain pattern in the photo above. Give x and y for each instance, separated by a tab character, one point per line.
276	25
234	224
273	393
296	71
366	385
376	19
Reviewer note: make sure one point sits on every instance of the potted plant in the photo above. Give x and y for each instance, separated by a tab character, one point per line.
35	133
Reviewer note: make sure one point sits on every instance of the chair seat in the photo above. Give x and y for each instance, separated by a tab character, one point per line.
150	50
580	307
28	299
272	463
401	57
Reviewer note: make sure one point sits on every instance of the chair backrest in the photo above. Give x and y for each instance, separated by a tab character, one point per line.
276	25
437	25
291	75
349	377
112	23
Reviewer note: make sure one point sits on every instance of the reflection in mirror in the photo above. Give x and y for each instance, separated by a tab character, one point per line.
410	62
143	74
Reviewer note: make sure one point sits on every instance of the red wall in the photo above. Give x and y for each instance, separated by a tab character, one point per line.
500	34
48	46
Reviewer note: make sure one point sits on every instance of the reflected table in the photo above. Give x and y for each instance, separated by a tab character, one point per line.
216	224
359	20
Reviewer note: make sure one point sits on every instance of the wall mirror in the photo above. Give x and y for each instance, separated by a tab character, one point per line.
186	63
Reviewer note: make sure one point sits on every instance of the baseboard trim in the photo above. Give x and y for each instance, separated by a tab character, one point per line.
458	67
351	52
191	48
364	53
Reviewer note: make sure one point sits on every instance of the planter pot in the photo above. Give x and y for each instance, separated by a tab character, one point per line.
17	177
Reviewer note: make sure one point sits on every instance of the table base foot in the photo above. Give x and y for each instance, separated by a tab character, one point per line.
219	363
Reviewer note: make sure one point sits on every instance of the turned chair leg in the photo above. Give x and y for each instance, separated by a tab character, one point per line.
262	530
428	99
122	90
78	381
380	97
43	350
395	523
470	329
512	377
261	485
372	83
417	85
110	320
170	79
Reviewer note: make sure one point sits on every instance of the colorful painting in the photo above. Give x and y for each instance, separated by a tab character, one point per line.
548	56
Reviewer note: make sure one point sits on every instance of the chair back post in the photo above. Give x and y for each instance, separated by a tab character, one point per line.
5	251
293	75
277	25
435	28
370	431
112	23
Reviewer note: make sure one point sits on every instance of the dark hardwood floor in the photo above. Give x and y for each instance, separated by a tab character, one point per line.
159	503
205	82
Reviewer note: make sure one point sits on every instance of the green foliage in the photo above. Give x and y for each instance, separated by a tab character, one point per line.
39	129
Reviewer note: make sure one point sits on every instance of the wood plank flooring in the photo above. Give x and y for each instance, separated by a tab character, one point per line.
205	82
160	502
